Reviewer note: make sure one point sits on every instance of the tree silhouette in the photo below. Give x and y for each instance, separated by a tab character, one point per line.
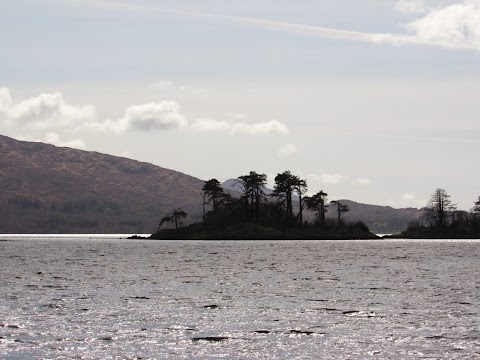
300	187
341	208
285	185
438	208
317	203
173	217
283	189
253	184
212	194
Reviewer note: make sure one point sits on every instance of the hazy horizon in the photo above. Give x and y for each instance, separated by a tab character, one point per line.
373	102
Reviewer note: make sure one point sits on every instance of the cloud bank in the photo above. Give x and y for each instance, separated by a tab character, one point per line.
50	111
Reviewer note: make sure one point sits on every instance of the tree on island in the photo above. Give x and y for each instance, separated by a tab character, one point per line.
317	203
300	187
214	196
173	217
443	221
253	185
212	192
282	191
252	215
285	185
438	209
341	208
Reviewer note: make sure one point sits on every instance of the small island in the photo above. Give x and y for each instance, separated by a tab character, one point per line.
442	220
256	215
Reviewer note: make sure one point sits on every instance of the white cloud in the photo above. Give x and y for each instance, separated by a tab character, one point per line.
164	115
270	127
191	89
209	125
43	111
362	181
337	178
287	150
54	139
155	116
5	99
234	128
163	85
326	178
168	85
411	6
410	199
238	116
456	25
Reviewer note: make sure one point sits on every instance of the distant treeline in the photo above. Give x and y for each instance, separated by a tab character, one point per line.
69	206
442	220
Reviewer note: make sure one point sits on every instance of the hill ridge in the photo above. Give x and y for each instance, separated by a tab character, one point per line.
50	189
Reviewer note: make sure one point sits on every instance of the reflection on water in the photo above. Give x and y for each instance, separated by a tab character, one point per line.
97	298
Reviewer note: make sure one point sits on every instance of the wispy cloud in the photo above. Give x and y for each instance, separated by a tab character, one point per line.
411	6
287	150
337	178
362	181
408	199
54	139
328	178
455	26
170	86
238	128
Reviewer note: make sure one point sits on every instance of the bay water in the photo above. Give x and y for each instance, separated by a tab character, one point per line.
104	297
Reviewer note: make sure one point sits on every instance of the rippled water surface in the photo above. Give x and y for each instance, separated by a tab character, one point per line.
109	298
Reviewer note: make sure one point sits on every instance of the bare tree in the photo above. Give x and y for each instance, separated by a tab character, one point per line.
438	209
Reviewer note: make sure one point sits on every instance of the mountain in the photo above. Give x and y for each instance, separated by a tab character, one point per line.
380	219
49	189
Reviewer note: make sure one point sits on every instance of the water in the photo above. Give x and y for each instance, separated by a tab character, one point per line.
95	298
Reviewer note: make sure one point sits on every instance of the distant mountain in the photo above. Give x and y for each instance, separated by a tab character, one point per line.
380	219
48	189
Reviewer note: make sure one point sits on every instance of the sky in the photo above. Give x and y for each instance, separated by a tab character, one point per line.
373	101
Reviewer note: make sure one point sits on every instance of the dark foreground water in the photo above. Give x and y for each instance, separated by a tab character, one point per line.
108	298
